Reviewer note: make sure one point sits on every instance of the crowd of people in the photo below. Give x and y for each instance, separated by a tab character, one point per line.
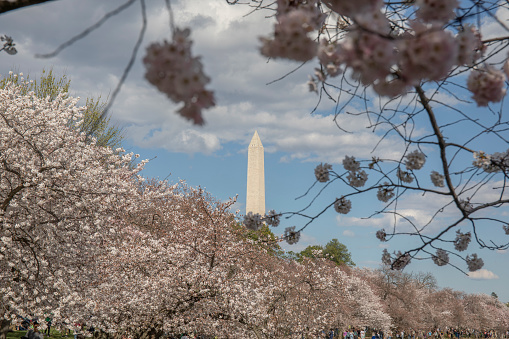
80	331
448	333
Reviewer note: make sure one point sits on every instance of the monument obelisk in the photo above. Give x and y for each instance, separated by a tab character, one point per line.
255	197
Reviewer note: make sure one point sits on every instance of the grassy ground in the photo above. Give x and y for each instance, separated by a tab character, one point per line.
53	335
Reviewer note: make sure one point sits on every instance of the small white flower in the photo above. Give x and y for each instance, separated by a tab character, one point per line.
474	263
342	205
358	178
491	163
405	176
381	235
441	258
253	222
437	179
350	164
272	218
462	240
482	160
415	160
291	236
385	193
322	172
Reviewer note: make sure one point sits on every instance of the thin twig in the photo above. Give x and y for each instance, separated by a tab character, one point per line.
86	31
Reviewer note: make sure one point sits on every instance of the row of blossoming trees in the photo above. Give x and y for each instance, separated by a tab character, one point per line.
83	236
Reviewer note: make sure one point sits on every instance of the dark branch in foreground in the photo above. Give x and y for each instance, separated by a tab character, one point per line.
7	6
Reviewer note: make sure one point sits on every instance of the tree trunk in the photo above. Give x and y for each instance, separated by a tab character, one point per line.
4	328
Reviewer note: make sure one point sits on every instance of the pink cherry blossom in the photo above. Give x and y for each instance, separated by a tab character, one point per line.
175	72
487	84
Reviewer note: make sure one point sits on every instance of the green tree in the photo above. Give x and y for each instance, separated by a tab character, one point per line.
333	250
262	237
338	253
49	86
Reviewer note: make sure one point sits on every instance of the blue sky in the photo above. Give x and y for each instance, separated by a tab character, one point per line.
215	156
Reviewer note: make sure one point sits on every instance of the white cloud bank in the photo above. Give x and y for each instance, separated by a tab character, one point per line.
482	274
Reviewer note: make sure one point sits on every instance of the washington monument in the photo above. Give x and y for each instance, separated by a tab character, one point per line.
255	199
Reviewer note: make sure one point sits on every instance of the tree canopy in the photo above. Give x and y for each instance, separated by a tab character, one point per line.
92	122
333	250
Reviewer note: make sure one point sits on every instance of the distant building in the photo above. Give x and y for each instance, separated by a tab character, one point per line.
255	197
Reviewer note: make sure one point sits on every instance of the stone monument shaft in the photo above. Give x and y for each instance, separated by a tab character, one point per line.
255	199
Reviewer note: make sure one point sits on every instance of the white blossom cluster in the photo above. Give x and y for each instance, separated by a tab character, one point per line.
253	221
470	46
350	164
381	235
384	194
291	236
436	10
405	176
357	178
430	54
441	258
506	229
322	172
401	260
415	160
331	58
272	218
175	72
291	39
474	263
342	205
437	179
487	85
424	51
491	163
462	240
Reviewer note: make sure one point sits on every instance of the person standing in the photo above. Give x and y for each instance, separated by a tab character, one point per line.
34	333
48	322
363	334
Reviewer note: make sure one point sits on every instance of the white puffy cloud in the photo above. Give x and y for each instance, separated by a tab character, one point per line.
482	274
227	40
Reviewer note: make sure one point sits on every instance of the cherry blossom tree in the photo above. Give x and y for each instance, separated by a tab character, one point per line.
60	196
91	122
181	264
415	303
